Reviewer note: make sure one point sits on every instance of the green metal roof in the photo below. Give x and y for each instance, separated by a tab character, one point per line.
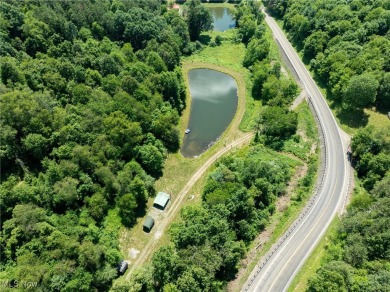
149	222
161	199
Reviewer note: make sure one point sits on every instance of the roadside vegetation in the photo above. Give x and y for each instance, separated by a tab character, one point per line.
356	259
347	46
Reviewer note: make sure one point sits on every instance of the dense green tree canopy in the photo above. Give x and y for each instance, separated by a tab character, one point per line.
257	50
90	100
277	124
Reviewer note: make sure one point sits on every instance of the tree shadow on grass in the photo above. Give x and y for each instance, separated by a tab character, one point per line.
354	118
205	39
382	109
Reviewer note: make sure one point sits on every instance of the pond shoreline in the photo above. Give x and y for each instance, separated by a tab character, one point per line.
232	130
214	97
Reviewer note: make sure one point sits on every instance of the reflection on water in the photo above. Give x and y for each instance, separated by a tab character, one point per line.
213	105
222	18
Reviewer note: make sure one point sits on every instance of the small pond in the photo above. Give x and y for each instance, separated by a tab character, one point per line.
213	105
223	18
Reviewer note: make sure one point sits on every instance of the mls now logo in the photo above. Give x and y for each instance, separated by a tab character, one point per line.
18	284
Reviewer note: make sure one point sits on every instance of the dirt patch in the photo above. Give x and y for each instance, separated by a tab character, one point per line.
313	148
302	134
158	234
284	71
284	201
301	97
133	252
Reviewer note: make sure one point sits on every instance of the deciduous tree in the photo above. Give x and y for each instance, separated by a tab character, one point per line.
361	91
198	19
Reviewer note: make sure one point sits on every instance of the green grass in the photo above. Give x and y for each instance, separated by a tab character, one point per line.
376	119
223	4
306	121
297	147
268	154
229	54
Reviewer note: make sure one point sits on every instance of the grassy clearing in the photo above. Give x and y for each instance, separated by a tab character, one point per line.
376	119
314	261
223	4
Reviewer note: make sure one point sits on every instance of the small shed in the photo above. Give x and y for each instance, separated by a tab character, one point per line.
161	200
122	267
148	224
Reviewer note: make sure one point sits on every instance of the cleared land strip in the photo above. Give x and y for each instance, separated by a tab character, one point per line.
175	207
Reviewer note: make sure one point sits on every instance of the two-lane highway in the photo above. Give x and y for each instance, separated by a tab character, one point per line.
278	268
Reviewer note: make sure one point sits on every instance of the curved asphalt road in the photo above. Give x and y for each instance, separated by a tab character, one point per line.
278	268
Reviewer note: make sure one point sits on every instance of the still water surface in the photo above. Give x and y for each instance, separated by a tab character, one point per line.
222	18
213	105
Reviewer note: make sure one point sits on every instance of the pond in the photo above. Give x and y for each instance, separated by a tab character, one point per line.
223	18
213	105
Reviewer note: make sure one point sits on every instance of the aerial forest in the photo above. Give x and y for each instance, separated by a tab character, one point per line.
91	96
